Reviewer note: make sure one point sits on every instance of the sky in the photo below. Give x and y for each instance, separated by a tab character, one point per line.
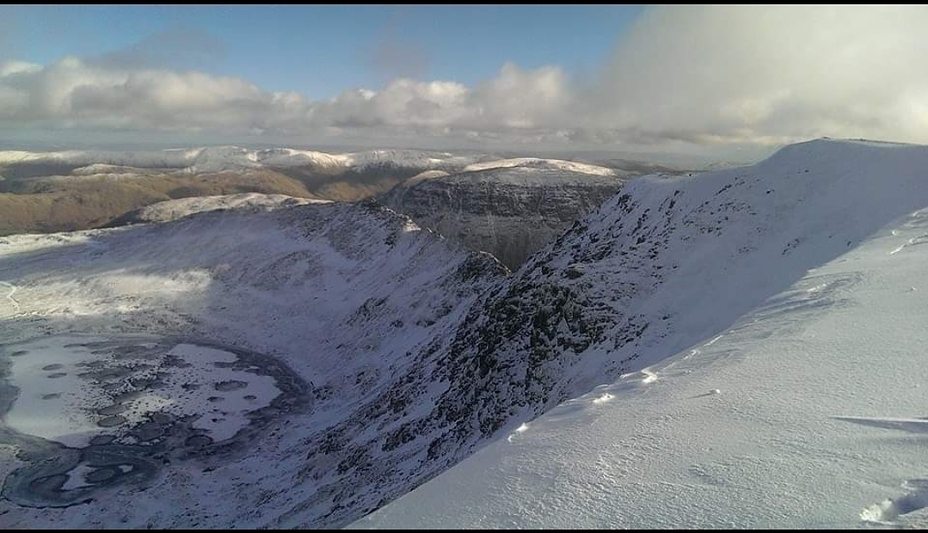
584	77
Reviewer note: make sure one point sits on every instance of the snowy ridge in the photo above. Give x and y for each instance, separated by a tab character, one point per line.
408	158
141	159
748	338
219	158
535	162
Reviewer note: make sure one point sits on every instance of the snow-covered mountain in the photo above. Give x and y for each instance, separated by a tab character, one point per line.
757	337
418	354
221	158
510	208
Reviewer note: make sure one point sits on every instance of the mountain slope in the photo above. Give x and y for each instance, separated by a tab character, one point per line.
805	411
663	266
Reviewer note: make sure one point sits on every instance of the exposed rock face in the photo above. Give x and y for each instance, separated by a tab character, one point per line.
508	211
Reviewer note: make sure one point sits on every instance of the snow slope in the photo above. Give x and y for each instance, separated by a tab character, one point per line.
773	377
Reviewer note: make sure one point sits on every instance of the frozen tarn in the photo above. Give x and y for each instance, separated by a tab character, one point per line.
112	411
73	390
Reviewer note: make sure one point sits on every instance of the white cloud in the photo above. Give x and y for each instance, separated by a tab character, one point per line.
705	74
101	95
8	68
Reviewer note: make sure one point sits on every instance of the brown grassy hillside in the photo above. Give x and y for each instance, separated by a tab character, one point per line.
71	203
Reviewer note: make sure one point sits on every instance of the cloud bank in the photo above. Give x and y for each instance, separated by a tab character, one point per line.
700	74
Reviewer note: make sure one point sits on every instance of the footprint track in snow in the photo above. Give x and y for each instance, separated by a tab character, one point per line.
888	510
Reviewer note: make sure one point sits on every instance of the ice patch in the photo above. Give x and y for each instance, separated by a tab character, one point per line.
77	477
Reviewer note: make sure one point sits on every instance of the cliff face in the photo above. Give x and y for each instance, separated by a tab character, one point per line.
510	212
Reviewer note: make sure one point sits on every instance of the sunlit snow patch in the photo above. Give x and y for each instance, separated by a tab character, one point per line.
604	398
520	429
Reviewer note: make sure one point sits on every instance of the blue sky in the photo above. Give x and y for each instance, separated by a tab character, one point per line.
321	51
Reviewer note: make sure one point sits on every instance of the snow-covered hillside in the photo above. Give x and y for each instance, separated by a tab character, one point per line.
510	208
174	209
214	349
754	341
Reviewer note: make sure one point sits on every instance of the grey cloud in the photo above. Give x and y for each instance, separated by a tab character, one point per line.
766	71
395	53
175	48
395	57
